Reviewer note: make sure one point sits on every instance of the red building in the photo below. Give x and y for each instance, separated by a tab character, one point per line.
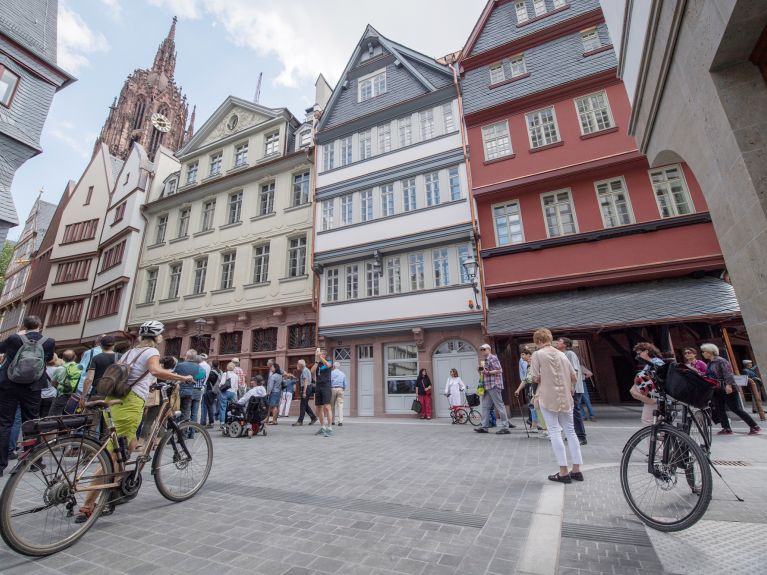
578	233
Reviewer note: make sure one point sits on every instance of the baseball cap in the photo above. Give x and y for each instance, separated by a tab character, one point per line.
485	346
747	361
204	355
235	360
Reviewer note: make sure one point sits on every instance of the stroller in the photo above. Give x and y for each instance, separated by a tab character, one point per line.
248	419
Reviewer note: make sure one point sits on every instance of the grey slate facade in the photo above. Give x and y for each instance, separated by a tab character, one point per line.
28	50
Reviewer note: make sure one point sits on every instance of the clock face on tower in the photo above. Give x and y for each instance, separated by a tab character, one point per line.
160	122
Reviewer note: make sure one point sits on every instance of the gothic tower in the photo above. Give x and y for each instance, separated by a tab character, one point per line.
151	109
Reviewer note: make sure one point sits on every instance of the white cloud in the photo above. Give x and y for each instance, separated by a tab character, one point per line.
182	8
82	143
76	41
113	7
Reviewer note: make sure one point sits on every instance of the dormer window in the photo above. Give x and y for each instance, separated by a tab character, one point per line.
172	186
590	39
371	85
521	9
305	138
496	73
8	84
539	6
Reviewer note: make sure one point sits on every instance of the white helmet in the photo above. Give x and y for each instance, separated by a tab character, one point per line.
150	328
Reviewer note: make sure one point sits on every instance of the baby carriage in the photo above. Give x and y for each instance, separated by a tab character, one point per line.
247	419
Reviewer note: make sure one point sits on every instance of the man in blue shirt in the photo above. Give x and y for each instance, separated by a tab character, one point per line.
338	387
191	393
85	361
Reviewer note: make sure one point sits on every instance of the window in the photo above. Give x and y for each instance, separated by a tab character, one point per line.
264	339
384	138
261	264
80	232
235	207
241	155
272	144
74	271
301	189
508	223
405	131
67	312
215	164
417	271
200	271
393	275
297	256
614	202
88	196
521	11
191	173
301	336
105	302
231	343
427	124
401	369
151	286
387	200
496	73
183	222
559	214
352	282
305	138
8	84
542	128
162	224
463	255
594	113
517	65
447	117
331	284
432	188
539	6
113	256
496	140
175	280
327	214
372	86
208	213
347	210
227	269
454	346
559	3
366	205
454	179
346	150
671	191
266	199
172	186
590	39
408	195
372	280
327	157
441	262
366	145
173	346
120	212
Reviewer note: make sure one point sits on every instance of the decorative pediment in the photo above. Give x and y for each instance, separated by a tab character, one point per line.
238	119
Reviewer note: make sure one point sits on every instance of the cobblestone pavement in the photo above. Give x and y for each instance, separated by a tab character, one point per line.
388	496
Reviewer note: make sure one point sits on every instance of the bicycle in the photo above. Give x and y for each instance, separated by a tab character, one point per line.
697	423
466	412
67	461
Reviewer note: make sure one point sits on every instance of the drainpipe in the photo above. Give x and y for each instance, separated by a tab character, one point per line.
472	205
315	278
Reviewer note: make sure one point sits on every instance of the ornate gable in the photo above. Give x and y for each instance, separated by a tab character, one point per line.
237	119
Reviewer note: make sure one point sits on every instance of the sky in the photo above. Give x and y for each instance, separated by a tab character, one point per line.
222	47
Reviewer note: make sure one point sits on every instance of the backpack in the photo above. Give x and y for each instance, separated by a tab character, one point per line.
213	377
116	379
28	365
71	379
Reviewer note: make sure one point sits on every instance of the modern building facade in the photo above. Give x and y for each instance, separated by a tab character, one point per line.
393	226
578	233
225	258
696	76
29	78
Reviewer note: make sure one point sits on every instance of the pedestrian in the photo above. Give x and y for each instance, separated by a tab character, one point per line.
323	391
209	409
85	362
454	389
526	384
644	381
97	366
491	376
423	389
256	389
306	392
691	360
68	386
49	392
337	389
726	396
556	378
274	391
191	391
227	391
241	379
752	372
288	387
565	345
586	399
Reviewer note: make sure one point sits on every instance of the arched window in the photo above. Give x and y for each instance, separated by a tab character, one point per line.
138	116
155	141
454	346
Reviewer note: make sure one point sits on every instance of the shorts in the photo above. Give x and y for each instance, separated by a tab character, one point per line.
127	416
323	395
274	399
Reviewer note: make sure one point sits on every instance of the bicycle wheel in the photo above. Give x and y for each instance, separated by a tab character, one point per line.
38	505
182	461
475	417
461	416
668	485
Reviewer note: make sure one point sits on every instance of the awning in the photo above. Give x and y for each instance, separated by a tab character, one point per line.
643	303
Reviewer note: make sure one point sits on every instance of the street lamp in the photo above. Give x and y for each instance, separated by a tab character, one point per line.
471	267
200	324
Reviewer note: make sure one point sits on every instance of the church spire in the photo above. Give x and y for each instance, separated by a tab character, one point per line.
190	129
165	59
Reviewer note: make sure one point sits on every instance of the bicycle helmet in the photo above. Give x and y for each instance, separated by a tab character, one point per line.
150	328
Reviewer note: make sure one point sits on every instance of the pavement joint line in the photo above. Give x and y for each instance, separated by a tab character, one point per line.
540	554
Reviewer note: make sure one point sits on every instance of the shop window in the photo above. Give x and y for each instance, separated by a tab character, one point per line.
401	362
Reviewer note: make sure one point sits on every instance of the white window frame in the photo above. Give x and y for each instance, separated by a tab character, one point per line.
405	131
521	10
261	263
409	194
228	262
411	348
539	7
235	201
590	40
351	282
416	265
432	186
685	190
497	73
611	193
463	252
387	200
347	210
448	118
328	156
150	291
161	229
496	137
508	225
200	274
241	155
208	215
559	221
440	264
347	151
518	65
328	209
372	280
428	128
302	183
300	250
559	3
376	81
384	138
215	164
332	281
266	198
540	127
366	144
367	209
174	277
184	215
272	143
394	275
191	172
591	113
454	183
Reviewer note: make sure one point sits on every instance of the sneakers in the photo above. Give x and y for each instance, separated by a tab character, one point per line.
480	430
725	432
503	431
320	431
312	421
328	431
755	430
298	423
511	425
543	434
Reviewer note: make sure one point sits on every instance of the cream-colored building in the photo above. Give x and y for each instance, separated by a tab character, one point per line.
225	257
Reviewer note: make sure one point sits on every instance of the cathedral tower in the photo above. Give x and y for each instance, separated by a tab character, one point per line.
151	109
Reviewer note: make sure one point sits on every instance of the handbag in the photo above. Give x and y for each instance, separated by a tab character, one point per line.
226	385
153	399
416	406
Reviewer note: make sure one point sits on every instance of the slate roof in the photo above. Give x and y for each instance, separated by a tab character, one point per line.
614	306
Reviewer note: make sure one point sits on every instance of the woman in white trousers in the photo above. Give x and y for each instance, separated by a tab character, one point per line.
556	378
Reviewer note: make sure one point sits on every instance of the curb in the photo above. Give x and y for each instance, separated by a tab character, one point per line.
540	555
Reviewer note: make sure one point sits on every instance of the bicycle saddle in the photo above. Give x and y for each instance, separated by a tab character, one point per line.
102	403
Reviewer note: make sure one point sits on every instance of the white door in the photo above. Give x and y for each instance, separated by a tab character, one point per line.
453	354
342	358
365	405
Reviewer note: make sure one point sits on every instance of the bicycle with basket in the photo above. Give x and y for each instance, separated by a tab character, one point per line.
467	412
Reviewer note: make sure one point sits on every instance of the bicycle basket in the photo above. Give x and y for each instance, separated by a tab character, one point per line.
688	386
472	399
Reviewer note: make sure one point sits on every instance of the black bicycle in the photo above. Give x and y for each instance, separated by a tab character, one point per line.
698	424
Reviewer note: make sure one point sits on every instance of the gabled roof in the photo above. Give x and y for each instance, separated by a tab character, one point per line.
419	65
